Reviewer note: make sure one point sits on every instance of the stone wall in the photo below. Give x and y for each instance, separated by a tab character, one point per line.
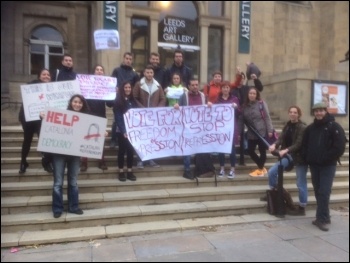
295	88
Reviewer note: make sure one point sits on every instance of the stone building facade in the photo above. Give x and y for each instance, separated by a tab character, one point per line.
281	37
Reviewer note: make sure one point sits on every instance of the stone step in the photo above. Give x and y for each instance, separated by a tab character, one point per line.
29	238
38	174
113	185
36	203
143	213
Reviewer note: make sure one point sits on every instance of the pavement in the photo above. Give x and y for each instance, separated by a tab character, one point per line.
261	238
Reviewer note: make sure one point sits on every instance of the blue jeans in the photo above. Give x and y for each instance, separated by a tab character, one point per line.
73	168
232	157
301	171
322	181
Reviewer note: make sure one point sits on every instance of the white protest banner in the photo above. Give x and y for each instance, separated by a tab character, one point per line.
36	97
165	131
97	87
72	133
106	39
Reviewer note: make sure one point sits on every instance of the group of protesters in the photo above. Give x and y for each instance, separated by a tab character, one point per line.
309	146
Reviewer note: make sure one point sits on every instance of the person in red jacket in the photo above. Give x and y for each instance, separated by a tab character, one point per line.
212	90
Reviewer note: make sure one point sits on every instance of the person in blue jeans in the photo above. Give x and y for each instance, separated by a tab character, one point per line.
290	142
76	103
224	97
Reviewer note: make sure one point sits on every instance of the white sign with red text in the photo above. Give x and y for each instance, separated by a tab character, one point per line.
165	131
72	133
97	87
36	97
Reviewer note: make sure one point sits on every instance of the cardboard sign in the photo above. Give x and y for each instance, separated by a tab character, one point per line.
37	97
97	87
72	133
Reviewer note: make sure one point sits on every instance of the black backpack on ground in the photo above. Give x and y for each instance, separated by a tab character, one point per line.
204	166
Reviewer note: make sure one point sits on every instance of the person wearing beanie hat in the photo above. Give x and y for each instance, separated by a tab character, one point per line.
323	144
320	105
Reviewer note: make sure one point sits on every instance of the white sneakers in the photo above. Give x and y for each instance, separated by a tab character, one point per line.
231	175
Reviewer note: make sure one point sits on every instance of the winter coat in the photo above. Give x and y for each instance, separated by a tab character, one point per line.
297	138
146	98
252	116
119	115
125	73
159	76
323	142
63	74
211	91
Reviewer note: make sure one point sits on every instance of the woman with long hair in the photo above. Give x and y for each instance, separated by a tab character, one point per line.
290	142
123	103
76	103
256	115
97	108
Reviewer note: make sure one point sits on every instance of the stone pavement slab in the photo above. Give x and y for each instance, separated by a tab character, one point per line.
292	239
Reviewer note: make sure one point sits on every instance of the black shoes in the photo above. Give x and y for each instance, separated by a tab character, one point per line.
57	215
300	211
130	176
188	175
122	176
102	166
320	225
23	167
78	211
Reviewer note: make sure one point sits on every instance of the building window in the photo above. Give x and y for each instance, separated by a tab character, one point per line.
45	49
140	43
216	8
215	50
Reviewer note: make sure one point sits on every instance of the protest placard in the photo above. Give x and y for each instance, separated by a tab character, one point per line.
72	133
36	97
97	87
165	131
106	39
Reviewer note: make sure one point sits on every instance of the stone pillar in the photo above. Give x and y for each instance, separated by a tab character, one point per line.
204	51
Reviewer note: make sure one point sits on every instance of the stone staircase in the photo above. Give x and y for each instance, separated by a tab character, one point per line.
160	200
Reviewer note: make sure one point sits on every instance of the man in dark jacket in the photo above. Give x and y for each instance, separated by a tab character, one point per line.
66	71
159	71
179	67
323	144
123	73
